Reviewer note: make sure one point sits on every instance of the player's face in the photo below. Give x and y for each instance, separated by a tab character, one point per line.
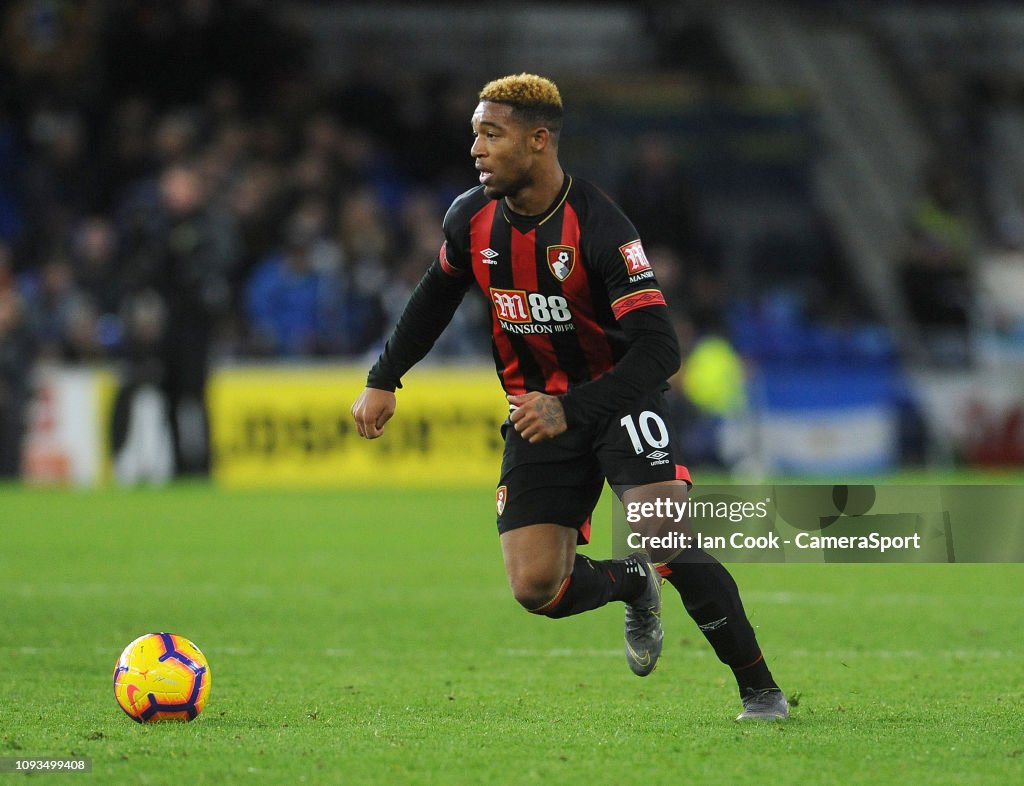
500	150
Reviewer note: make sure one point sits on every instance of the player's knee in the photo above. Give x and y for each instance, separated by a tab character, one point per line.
535	591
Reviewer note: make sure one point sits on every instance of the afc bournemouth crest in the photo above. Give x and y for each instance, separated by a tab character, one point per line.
500	497
561	260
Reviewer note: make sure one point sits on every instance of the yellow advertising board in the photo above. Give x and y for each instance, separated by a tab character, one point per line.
292	427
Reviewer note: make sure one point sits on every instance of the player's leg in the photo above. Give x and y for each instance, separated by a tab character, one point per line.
544	501
538	562
548	577
712	599
639	457
708	591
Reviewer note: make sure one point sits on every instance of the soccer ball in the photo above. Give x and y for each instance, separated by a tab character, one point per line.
162	676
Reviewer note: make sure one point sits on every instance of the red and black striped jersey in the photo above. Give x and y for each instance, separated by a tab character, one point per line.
556	283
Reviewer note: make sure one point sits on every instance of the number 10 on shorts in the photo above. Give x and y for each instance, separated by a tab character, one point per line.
651	427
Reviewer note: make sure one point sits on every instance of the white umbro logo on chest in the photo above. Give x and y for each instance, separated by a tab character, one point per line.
489	256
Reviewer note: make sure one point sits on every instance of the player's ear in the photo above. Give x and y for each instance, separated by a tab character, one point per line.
540	139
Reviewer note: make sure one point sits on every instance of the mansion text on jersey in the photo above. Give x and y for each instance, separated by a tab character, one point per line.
528	328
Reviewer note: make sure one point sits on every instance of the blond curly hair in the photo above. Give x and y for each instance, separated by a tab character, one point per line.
525	89
534	99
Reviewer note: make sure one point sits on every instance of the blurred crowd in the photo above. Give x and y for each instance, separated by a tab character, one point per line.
172	191
191	190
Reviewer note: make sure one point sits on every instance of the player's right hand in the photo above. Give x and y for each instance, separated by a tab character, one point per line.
372	410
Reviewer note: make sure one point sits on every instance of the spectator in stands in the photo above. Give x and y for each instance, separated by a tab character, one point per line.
256	199
318	167
176	138
366	239
83	340
294	296
52	307
95	264
302	301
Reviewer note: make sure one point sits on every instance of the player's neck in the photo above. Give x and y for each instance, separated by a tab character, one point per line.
538	196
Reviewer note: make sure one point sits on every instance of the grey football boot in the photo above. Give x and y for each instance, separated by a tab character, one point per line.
643	621
764	705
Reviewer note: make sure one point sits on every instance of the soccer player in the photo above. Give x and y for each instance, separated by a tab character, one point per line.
583	346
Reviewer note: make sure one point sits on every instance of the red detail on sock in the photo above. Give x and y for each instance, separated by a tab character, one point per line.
760	658
682	473
664	571
611	576
554	601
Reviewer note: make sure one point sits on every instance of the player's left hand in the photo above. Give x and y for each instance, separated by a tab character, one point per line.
537	416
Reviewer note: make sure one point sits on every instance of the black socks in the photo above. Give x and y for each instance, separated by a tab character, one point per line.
594	583
712	599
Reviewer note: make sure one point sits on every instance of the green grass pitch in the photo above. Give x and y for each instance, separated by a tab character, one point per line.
370	638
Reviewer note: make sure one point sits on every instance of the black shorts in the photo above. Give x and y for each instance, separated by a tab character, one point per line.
559	480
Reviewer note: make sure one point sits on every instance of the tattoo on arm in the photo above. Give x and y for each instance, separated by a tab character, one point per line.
550	412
